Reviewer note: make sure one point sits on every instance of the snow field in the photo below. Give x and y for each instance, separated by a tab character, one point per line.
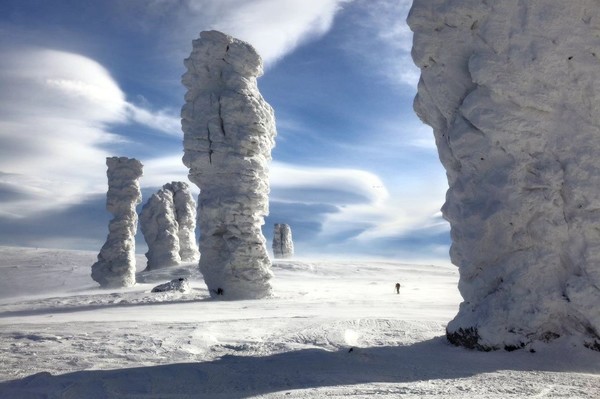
334	329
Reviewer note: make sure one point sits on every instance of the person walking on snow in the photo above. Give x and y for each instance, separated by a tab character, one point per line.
397	288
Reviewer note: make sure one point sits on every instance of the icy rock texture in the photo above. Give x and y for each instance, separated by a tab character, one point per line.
229	132
512	91
283	246
116	261
184	208
168	222
161	231
181	284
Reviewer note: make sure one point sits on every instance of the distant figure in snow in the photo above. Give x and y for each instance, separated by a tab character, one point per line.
397	288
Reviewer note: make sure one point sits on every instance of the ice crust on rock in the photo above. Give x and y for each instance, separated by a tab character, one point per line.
283	246
512	91
185	214
161	231
229	132
168	222
116	261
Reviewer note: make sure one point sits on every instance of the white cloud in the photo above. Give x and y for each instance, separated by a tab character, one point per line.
57	108
352	181
55	113
381	38
161	170
165	121
274	27
410	206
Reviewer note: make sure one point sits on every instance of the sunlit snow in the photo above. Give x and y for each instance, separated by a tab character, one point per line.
333	329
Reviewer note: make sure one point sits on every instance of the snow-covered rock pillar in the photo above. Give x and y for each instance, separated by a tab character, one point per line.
184	208
161	230
283	246
168	222
229	132
512	91
116	261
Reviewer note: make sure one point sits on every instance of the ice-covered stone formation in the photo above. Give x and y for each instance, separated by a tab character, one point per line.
168	222
229	132
283	246
512	91
116	261
161	230
184	208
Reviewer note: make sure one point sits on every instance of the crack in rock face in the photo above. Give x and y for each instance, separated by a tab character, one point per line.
511	89
229	132
116	261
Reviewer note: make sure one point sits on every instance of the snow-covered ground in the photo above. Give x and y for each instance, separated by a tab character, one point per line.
334	329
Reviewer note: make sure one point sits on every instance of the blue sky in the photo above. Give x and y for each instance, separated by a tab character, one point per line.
354	172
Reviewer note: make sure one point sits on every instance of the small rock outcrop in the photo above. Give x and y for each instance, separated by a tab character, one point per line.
229	132
181	284
168	222
510	89
283	246
116	261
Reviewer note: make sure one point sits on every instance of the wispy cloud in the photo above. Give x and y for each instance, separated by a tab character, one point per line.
379	36
164	169
60	111
358	183
165	121
364	208
56	110
274	27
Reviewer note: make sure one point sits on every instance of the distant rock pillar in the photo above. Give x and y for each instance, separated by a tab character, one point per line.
116	261
229	132
161	231
168	222
283	246
511	90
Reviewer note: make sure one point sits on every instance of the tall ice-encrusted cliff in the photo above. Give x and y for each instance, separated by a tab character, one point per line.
512	91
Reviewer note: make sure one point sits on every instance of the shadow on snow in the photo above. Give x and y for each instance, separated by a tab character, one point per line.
243	376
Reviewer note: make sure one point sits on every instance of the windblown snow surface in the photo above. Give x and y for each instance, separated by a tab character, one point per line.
333	329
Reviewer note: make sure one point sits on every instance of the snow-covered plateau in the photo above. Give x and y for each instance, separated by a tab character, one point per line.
332	329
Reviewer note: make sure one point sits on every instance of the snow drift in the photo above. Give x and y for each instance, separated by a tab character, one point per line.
511	91
229	132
